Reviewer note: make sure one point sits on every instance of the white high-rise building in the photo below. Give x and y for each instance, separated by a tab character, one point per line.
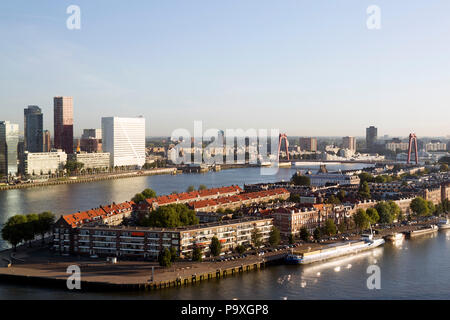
124	139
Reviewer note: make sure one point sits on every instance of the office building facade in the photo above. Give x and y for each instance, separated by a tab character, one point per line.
43	163
9	139
33	129
47	144
124	140
63	123
371	137
98	160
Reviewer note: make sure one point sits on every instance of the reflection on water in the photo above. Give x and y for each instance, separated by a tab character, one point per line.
70	198
418	273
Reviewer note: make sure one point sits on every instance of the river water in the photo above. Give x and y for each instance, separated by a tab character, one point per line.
415	269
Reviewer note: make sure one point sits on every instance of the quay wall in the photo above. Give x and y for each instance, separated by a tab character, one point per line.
91	179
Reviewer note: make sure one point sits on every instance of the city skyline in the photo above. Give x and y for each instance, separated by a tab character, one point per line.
290	66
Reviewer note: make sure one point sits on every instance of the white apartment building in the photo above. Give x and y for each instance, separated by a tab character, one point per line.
43	163
94	160
435	146
321	179
124	140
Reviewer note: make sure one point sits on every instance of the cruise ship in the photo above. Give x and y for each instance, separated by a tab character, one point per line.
334	250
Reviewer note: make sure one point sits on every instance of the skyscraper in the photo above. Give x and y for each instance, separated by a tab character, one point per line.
9	138
124	139
47	141
349	143
371	137
63	123
33	129
91	140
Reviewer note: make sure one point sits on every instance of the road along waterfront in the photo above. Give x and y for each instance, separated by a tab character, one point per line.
413	269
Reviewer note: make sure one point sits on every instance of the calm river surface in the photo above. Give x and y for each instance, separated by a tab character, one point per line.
415	269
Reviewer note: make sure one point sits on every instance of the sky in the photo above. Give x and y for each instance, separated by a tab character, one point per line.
307	68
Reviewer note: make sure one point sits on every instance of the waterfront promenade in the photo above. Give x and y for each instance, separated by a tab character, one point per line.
91	178
38	265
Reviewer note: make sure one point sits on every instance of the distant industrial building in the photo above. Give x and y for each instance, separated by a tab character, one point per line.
33	129
9	139
63	123
349	143
322	179
435	145
396	144
308	144
124	140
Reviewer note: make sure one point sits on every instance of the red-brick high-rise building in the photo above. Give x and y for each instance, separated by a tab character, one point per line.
63	123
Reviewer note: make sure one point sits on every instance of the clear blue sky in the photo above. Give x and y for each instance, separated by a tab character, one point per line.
306	67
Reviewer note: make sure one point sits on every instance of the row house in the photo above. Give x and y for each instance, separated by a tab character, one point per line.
186	197
237	201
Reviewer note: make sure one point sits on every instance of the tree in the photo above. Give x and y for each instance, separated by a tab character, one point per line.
197	254
274	238
361	219
73	166
149	193
138	197
202	187
333	200
45	223
341	195
304	234
330	227
294	198
30	227
164	258
300	180
173	254
395	210
365	177
256	237
190	189
364	190
13	230
240	249
215	246
420	206
291	239
170	216
373	215
385	212
431	207
317	234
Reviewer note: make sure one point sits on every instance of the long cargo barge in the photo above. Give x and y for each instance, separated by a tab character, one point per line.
415	233
334	250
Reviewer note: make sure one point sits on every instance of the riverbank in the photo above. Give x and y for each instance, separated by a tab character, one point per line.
39	266
87	179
